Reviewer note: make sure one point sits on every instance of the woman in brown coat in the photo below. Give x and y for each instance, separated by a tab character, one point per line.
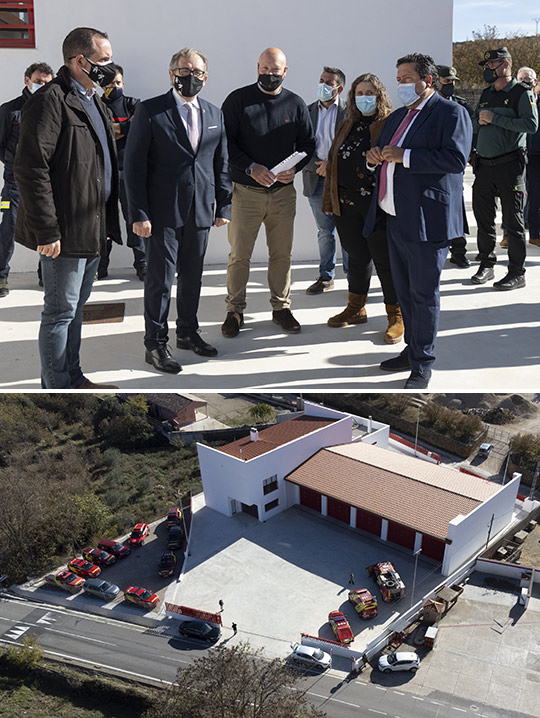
347	195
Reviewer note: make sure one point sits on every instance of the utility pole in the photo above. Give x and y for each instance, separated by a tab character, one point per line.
489	529
536	20
416	437
416	554
535	479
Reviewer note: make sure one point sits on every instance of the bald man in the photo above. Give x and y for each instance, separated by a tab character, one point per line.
265	123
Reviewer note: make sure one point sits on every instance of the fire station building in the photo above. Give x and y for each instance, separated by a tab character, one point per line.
339	466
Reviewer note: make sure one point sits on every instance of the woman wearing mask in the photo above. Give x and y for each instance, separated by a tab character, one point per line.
347	195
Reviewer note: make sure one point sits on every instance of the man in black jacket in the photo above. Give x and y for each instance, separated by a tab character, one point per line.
67	174
35	76
122	109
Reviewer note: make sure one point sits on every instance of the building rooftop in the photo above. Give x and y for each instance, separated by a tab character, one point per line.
274	436
398	488
174	402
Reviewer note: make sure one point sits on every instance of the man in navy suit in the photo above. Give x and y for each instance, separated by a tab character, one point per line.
422	153
178	186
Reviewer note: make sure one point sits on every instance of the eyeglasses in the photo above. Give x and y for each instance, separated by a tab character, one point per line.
184	72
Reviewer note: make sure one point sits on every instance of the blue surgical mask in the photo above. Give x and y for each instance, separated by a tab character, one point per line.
35	86
325	92
407	94
366	103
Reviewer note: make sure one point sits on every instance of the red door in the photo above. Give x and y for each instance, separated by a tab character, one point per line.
368	522
310	498
432	547
401	535
339	510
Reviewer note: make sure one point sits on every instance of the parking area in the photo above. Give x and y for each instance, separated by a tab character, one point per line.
280	578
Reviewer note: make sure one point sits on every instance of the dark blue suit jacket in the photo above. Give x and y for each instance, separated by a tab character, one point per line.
163	176
428	196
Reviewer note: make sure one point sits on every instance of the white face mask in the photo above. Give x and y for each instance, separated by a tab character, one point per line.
35	86
407	93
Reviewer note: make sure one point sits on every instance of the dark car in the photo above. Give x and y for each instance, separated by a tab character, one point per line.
175	538
203	630
117	549
174	518
100	588
167	564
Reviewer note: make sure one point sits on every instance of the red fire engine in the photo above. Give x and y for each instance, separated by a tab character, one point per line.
388	579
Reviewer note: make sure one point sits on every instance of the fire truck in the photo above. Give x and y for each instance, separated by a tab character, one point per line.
364	603
388	579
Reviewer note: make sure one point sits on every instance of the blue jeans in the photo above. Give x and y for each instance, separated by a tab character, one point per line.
67	283
326	235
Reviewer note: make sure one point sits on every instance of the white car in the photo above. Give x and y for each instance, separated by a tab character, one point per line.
399	661
310	656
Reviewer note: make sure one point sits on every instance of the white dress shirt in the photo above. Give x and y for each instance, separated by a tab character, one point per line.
182	109
326	127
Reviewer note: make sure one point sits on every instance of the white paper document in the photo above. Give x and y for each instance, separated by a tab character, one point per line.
288	163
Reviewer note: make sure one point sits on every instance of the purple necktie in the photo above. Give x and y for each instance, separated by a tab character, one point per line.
398	134
191	127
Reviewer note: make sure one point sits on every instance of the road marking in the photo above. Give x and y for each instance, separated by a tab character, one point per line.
374	710
417	698
16	632
115	669
462	710
381	688
328	698
81	637
399	693
47	618
437	704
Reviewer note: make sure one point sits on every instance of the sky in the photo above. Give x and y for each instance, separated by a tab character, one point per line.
508	16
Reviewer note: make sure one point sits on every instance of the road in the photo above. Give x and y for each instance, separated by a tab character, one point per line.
156	654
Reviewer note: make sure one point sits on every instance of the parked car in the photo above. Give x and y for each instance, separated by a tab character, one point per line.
101	589
310	656
141	596
139	533
175	538
115	547
174	518
99	557
203	630
399	661
340	627
66	580
167	564
83	568
485	450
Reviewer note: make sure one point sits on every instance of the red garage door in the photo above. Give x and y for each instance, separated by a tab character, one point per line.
401	535
432	547
368	522
310	498
339	510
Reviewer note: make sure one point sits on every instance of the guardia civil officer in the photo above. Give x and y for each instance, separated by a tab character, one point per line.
505	115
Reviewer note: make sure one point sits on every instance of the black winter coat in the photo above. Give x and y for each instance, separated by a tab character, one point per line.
59	168
10	122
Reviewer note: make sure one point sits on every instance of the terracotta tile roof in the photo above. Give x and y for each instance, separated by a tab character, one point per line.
412	492
275	436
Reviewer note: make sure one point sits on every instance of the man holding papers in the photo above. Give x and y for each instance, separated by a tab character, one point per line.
265	124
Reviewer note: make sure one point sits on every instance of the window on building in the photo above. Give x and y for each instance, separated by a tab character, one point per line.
17	24
271	505
270	484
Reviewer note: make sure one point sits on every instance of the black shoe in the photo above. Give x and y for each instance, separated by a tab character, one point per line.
418	380
399	363
162	360
40	282
141	273
320	286
102	274
511	281
286	321
483	275
460	261
234	321
4	289
197	345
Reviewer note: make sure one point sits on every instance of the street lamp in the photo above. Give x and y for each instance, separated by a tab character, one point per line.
416	554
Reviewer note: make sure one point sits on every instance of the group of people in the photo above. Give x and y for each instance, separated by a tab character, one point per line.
389	183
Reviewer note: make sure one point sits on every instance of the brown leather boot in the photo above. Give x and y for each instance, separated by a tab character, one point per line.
354	312
395	329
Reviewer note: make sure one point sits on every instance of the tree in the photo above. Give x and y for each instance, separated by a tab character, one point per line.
234	682
262	413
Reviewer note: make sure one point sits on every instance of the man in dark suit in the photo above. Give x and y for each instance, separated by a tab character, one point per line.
422	153
178	186
326	114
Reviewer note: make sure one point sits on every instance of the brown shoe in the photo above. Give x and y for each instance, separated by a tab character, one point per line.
536	242
395	328
286	321
87	384
234	321
354	312
320	286
504	241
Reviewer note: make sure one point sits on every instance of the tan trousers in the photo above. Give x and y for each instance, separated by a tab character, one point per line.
252	206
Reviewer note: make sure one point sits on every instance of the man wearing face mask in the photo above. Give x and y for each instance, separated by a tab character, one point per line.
421	154
527	77
35	76
326	114
505	115
122	109
265	124
178	186
67	174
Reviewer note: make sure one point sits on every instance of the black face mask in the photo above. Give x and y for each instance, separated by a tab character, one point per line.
113	93
448	90
490	75
270	82
188	86
527	84
101	74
